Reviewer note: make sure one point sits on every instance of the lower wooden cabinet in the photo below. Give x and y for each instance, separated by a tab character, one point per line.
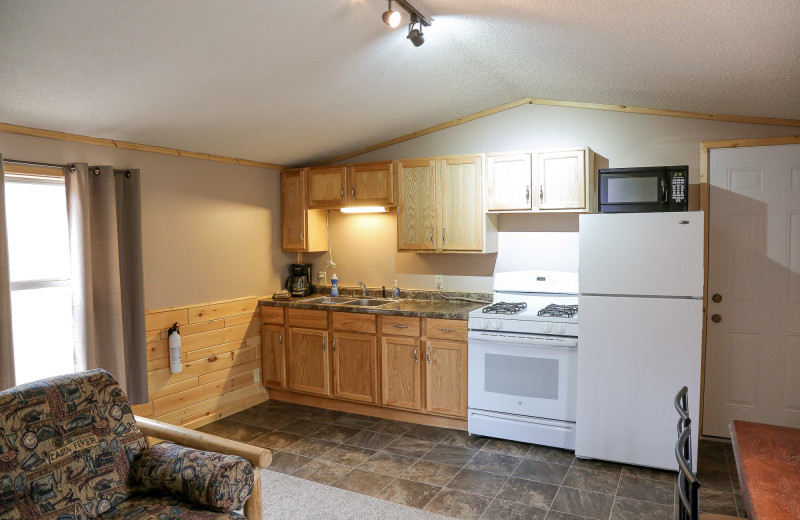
273	355
309	368
355	374
401	379
446	377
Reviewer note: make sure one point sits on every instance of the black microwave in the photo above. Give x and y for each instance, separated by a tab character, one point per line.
645	189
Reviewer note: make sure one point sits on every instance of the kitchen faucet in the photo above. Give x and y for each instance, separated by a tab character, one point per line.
363	288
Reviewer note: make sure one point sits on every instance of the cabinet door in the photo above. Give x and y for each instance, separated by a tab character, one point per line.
370	184
508	179
446	377
293	210
273	361
416	212
308	361
401	373
326	187
561	180
461	207
355	373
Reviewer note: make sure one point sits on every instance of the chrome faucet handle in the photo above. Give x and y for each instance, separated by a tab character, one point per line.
363	288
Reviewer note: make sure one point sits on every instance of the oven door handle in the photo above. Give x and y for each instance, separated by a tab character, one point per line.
522	339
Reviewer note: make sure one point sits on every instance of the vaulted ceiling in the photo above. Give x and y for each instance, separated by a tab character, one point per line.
299	81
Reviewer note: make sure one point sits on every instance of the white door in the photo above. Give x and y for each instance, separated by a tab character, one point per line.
752	370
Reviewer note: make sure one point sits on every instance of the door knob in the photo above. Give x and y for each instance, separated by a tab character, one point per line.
717	298
716	318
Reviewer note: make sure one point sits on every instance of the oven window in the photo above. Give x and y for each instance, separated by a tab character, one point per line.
522	376
632	189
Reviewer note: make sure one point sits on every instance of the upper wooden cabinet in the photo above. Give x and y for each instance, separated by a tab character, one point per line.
368	184
416	207
509	184
301	230
559	181
440	206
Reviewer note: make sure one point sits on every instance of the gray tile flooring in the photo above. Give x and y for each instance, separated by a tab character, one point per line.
454	474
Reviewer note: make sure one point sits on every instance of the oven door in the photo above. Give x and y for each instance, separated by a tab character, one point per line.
523	374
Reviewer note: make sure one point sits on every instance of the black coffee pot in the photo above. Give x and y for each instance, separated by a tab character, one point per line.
299	281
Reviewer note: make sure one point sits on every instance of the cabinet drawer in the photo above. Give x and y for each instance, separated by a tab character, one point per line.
354	322
400	326
272	315
446	329
307	318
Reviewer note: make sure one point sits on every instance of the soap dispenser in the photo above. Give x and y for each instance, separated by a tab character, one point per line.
396	291
334	285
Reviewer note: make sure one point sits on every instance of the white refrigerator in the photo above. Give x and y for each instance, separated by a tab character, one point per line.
640	321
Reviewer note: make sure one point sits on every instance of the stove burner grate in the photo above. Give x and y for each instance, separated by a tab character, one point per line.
505	308
558	311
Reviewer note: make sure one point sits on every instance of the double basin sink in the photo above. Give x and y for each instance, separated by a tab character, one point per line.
348	301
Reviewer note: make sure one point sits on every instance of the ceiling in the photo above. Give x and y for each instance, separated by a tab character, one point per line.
298	81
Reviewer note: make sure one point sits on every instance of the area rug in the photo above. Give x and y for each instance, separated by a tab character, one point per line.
285	497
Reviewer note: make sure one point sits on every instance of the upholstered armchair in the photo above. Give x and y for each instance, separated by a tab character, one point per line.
70	449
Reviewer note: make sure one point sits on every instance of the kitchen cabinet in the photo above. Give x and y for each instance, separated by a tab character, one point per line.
446	377
273	365
440	206
301	229
401	372
509	182
354	367
367	184
308	361
539	182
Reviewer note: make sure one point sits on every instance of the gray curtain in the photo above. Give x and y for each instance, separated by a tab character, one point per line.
6	342
105	234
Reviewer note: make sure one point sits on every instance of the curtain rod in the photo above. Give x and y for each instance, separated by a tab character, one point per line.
32	163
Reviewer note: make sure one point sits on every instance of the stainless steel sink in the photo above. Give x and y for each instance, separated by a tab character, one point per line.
368	302
329	300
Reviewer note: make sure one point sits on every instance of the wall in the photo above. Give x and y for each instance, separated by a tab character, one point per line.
221	362
365	246
210	230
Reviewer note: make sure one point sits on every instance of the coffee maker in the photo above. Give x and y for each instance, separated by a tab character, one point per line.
299	281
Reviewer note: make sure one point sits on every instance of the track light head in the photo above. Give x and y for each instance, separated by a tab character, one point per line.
391	18
415	35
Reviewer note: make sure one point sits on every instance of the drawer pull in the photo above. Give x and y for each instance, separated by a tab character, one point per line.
400	326
447	330
272	315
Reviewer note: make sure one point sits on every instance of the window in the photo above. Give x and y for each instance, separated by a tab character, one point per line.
39	264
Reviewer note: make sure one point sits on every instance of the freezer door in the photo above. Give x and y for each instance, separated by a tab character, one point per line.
634	354
649	254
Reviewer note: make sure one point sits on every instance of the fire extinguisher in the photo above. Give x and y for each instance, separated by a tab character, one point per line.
174	338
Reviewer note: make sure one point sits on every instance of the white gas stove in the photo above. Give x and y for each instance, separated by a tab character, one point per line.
523	359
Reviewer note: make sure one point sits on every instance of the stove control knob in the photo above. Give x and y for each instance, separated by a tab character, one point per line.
548	327
560	328
496	325
484	324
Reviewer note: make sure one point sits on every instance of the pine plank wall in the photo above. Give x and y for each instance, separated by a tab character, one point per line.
221	354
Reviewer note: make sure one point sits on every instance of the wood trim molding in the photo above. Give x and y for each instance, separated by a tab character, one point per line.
99	141
570	104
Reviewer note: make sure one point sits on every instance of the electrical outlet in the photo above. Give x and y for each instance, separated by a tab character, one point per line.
321	278
440	281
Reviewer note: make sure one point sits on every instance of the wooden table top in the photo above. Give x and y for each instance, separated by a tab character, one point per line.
768	463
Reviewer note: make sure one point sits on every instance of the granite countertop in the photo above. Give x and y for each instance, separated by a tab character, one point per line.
424	308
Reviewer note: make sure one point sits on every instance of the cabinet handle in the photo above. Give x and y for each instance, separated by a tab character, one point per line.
400	326
353	192
541	194
272	315
334	344
342	192
444	241
432	236
527	194
281	338
416	359
324	349
447	330
428	355
301	237
212	358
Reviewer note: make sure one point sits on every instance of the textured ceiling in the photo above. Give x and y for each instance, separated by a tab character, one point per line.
298	81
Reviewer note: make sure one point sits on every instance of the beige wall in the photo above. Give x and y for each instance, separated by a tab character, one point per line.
210	231
364	246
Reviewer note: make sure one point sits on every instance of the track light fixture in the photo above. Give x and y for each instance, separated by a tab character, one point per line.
391	18
417	17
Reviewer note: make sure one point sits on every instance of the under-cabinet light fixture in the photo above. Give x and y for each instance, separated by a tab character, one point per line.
417	16
364	209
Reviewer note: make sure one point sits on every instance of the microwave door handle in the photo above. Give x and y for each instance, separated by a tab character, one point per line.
663	190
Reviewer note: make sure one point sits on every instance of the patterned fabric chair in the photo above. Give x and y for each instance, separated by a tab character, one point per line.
70	449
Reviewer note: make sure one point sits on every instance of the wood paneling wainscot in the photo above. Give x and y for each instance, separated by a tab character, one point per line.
221	355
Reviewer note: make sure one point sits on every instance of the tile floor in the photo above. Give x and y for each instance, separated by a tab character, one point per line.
451	473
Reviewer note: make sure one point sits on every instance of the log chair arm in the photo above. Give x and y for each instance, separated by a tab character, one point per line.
260	458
